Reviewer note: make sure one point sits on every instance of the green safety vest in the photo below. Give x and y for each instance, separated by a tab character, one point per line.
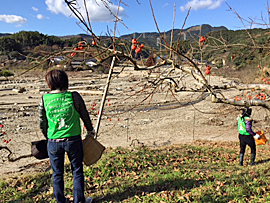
242	126
63	119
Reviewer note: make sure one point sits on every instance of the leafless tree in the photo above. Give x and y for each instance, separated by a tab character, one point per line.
172	69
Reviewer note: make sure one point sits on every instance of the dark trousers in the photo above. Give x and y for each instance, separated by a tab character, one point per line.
247	140
73	148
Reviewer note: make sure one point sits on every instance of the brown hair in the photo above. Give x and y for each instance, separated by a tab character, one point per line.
57	80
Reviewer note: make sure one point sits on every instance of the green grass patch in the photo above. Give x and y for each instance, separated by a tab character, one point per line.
203	171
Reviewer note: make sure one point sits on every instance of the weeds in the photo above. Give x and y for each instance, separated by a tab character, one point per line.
200	172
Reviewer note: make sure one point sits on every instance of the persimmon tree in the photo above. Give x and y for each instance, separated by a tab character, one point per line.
173	68
177	74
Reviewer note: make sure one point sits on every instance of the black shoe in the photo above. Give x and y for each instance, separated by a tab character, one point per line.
252	159
241	157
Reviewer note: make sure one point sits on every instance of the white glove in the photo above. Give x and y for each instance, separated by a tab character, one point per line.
91	133
257	136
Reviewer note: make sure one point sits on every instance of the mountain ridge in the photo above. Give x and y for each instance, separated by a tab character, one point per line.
151	38
197	30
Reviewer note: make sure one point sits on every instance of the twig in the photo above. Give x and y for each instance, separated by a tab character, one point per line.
241	19
172	30
178	41
10	153
79	16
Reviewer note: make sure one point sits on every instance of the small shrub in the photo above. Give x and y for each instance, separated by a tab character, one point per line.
6	73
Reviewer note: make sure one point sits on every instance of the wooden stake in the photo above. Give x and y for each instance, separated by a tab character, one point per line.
104	96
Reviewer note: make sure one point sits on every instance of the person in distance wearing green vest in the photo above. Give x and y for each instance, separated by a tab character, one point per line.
246	135
59	120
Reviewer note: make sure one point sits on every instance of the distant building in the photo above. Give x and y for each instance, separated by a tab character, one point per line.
57	59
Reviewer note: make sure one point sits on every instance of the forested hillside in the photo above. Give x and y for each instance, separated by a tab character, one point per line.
221	46
25	41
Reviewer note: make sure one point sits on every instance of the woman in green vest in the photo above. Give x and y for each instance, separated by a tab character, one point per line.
246	135
59	118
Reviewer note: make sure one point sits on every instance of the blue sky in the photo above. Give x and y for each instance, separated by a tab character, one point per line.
52	17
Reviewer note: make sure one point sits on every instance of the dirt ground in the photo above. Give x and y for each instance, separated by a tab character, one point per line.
131	117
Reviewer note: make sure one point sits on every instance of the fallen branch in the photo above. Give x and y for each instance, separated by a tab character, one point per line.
252	102
10	153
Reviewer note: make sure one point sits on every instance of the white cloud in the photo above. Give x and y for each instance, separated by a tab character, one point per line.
40	16
96	9
201	4
13	19
34	8
165	5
